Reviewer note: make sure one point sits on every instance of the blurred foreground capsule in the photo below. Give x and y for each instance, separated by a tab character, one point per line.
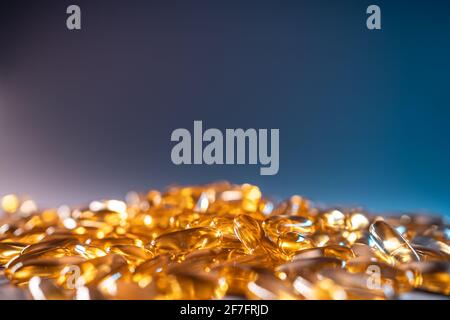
248	231
22	272
431	276
133	254
391	243
268	287
382	274
92	271
185	240
307	268
333	251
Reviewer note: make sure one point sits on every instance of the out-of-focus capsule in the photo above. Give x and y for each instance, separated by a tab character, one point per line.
251	195
357	221
431	276
184	220
185	240
200	260
133	254
248	231
48	246
87	251
307	268
441	233
333	220
292	242
189	286
22	272
107	243
93	271
46	289
294	206
237	278
429	254
116	288
10	203
145	272
361	283
266	286
339	252
363	250
9	250
382	274
274	226
432	243
390	242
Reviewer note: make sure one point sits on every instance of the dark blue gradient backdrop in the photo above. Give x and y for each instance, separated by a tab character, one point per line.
364	116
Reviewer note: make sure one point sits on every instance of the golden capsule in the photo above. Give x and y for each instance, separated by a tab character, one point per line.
292	242
429	254
9	250
276	225
294	206
189	286
339	252
10	203
133	254
386	275
248	231
22	272
333	220
391	243
93	271
432	244
46	289
185	240
146	271
268	287
237	278
307	268
433	276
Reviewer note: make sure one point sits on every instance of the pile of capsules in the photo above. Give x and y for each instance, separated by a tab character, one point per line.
218	241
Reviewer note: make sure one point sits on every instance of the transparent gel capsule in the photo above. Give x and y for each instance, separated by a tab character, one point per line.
185	240
133	254
274	226
432	244
22	272
248	231
339	252
292	242
46	289
146	271
391	243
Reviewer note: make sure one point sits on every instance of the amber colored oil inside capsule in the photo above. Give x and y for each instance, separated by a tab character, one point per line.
390	242
9	250
293	242
248	232
184	240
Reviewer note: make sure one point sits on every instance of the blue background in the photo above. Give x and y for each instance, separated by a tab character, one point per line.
363	115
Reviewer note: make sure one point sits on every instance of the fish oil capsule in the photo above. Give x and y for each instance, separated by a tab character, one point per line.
399	280
87	251
22	272
9	250
276	225
251	195
333	220
307	268
357	221
133	254
248	231
10	203
237	277
46	289
429	254
390	242
268	287
295	206
292	242
339	252
145	272
432	243
93	271
185	240
433	276
190	286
